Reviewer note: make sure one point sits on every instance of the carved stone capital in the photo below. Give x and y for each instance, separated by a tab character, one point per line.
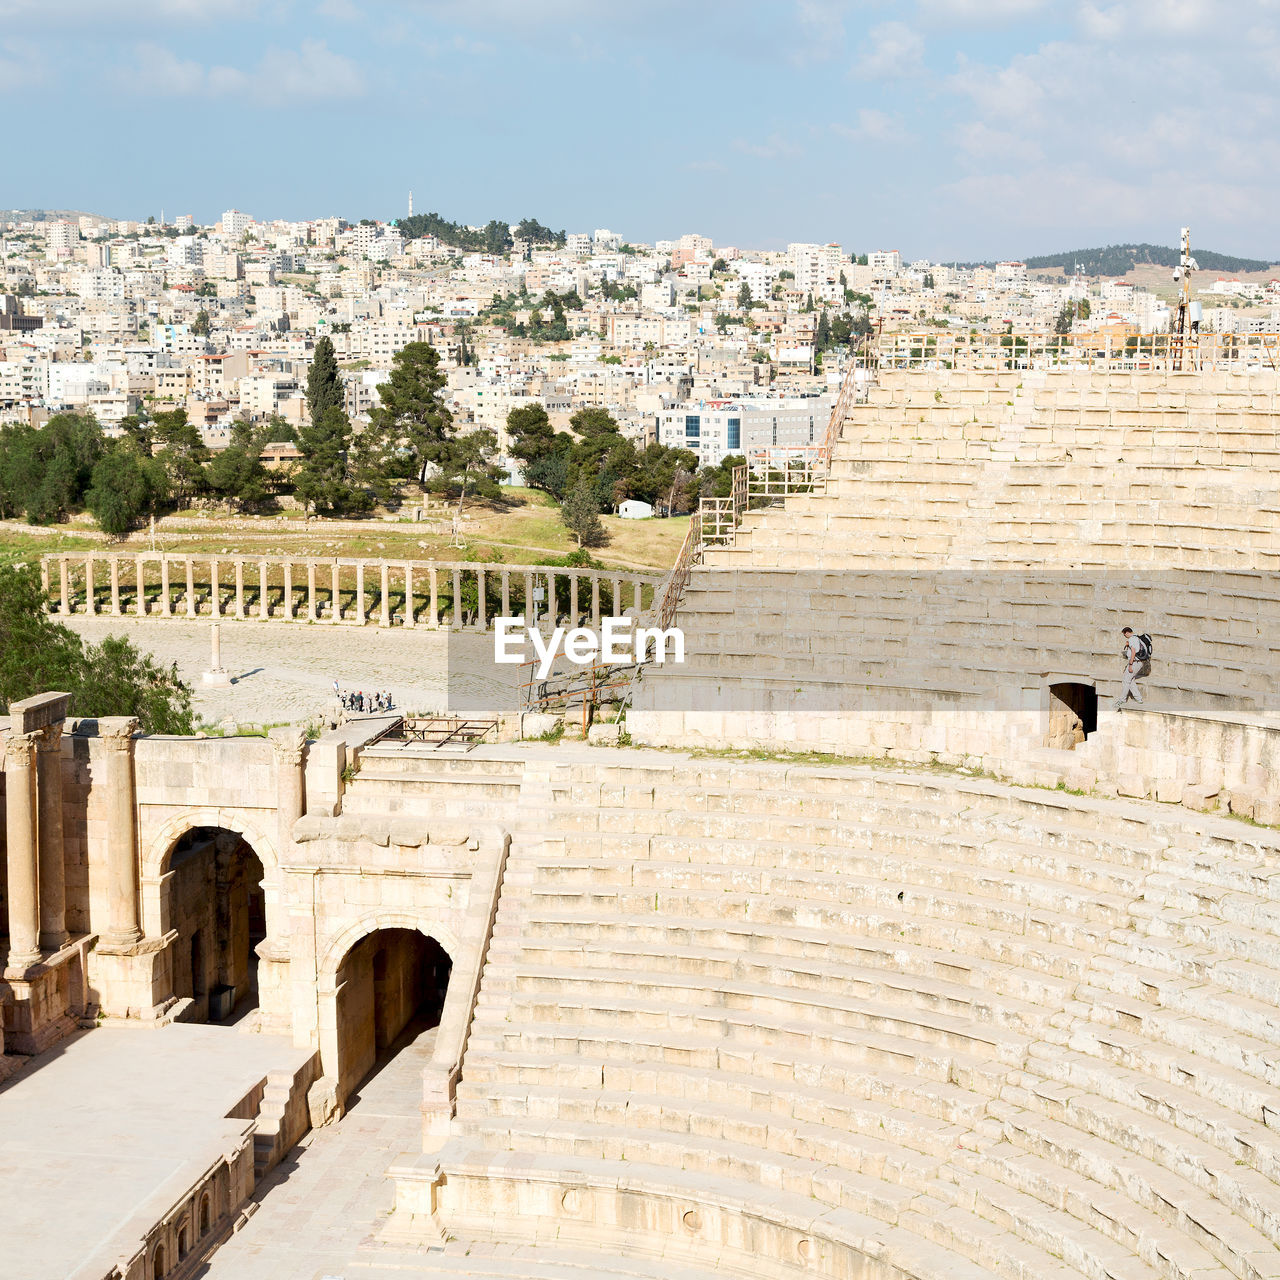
117	732
20	750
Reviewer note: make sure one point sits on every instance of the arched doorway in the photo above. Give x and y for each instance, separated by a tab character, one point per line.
391	987
216	905
1073	714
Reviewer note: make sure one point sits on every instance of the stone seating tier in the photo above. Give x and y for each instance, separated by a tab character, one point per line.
1036	1034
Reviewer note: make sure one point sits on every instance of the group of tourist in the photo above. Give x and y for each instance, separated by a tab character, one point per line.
363	703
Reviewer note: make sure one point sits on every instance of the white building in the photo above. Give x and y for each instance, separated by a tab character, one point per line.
235	224
577	243
816	267
885	261
713	429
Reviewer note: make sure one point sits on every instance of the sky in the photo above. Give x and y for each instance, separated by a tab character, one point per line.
948	129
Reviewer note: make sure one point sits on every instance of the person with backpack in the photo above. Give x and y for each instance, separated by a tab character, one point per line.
1137	665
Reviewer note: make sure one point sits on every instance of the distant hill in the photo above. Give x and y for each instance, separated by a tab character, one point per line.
493	237
1119	259
46	215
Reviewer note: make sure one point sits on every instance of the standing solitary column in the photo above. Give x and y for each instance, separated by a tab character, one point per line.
384	610
64	591
123	916
288	744
90	603
262	589
311	591
53	868
335	595
408	595
616	608
115	587
166	605
239	588
595	602
553	615
506	593
637	599
20	849
191	588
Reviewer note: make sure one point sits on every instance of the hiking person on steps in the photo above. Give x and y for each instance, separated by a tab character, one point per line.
1137	665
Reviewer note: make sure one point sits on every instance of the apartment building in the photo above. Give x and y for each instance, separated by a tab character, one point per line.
715	428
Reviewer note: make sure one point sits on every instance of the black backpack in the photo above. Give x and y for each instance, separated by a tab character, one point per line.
1147	645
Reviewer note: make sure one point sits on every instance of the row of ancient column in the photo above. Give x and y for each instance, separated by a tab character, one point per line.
235	607
35	846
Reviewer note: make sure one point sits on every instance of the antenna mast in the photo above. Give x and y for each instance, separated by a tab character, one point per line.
1183	325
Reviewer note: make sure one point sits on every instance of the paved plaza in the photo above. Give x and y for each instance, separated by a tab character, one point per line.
115	1122
284	673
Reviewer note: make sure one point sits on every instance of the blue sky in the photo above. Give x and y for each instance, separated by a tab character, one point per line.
944	128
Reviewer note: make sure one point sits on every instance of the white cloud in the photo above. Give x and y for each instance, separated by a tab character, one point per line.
21	66
984	12
310	73
873	125
72	14
896	50
774	147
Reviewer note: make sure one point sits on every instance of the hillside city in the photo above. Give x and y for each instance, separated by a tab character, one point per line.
710	350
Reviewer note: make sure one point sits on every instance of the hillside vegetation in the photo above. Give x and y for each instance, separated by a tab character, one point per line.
1119	259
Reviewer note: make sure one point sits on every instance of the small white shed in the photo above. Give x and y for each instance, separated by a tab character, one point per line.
634	509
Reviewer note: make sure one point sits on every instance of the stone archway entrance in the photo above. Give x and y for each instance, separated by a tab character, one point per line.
215	903
1073	713
391	987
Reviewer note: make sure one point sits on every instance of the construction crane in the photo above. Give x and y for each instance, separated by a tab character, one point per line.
1186	324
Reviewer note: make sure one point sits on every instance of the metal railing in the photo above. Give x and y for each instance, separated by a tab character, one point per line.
939	349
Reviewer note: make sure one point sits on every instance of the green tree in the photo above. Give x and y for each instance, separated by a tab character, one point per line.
580	514
322	483
468	464
45	471
324	381
200	325
822	336
183	454
237	474
126	484
744	296
411	415
110	679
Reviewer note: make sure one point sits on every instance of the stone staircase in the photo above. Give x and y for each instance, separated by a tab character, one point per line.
942	1025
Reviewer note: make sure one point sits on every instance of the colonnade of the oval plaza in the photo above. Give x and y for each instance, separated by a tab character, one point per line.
448	594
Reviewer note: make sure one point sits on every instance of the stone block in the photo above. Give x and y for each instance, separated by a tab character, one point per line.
1200	796
604	735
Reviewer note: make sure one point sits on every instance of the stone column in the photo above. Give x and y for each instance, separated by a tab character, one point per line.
637	600
288	590
384	608
64	606
115	587
455	622
262	589
360	616
336	593
482	620
123	916
215	589
140	600
44	579
573	599
166	605
20	849
434	605
239	588
90	604
617	597
506	593
595	602
530	608
289	745
552	612
408	596
311	591
191	588
53	867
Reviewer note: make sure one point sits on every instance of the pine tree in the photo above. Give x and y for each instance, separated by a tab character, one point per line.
411	415
580	514
321	483
324	382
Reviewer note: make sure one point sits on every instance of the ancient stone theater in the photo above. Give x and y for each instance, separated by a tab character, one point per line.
885	949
